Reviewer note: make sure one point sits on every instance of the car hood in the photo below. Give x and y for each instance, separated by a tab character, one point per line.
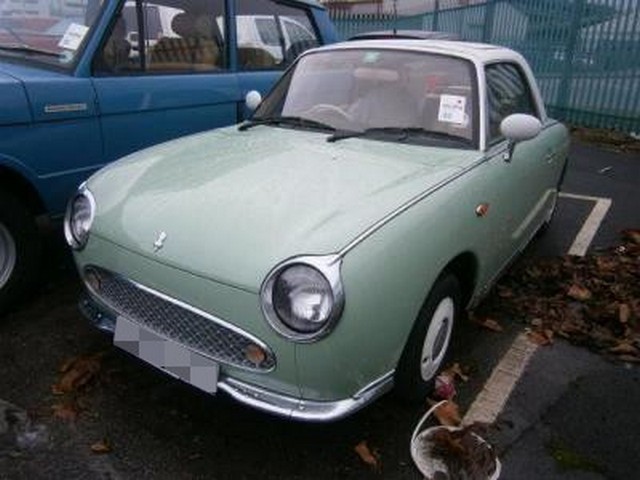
231	205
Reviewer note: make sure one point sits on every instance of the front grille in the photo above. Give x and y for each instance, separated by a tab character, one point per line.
178	322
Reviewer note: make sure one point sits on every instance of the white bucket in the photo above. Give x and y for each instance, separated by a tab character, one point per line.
421	442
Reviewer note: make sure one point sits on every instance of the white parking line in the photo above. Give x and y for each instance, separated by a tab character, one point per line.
494	395
592	223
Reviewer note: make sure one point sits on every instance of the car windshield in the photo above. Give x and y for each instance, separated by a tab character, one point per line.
391	95
49	31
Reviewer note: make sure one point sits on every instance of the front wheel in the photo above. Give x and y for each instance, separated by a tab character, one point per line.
426	350
20	247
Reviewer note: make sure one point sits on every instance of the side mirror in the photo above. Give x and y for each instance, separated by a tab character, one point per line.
517	128
253	99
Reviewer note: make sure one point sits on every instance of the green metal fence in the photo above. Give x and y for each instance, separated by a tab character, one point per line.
585	53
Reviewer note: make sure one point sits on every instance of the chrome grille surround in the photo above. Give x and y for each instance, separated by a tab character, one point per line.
177	321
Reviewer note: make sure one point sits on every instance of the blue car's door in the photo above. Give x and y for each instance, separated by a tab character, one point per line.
163	72
139	112
170	68
268	36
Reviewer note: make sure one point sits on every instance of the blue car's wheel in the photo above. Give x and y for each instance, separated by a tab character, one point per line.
19	250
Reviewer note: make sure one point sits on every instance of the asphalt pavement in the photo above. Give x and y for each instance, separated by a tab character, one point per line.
572	415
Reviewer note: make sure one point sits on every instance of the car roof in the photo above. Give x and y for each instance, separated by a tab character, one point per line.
404	34
479	52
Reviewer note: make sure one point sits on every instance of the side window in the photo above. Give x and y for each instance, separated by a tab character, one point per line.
179	36
271	35
507	92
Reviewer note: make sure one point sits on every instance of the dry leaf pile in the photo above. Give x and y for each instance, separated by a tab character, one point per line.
617	141
593	301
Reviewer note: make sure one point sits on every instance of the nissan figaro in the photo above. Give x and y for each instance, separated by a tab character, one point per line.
321	253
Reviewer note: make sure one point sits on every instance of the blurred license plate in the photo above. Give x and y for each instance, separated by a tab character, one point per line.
167	355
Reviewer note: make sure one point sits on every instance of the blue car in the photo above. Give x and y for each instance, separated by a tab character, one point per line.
84	82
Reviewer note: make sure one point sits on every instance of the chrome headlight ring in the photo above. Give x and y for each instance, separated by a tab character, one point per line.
79	217
302	298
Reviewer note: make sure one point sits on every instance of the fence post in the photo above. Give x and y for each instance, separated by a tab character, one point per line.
436	13
489	15
563	98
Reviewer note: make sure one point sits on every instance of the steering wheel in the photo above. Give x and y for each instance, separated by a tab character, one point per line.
325	110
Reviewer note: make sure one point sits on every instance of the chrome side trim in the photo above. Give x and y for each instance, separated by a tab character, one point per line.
305	410
406	206
65	108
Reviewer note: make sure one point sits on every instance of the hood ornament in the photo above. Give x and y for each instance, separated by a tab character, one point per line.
159	243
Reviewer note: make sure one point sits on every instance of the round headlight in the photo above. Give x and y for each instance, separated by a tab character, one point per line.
78	219
302	298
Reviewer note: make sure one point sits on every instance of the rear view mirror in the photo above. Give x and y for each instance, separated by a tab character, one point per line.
519	127
253	99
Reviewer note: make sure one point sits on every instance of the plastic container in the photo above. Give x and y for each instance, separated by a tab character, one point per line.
422	442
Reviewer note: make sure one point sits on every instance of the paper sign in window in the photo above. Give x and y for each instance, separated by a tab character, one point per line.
72	38
452	109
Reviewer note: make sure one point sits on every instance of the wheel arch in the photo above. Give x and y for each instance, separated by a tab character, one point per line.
20	187
464	267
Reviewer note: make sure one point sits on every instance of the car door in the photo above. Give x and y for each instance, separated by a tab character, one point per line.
528	171
162	72
267	42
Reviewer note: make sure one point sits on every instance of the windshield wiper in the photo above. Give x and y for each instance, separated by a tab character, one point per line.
285	120
28	49
402	132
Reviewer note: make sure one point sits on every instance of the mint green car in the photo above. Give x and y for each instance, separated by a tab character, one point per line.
310	259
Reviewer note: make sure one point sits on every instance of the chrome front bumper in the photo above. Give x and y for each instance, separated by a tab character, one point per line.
262	399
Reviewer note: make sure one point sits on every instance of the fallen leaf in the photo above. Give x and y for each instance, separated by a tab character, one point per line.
624	348
632	234
101	447
536	322
490	324
542	338
65	411
628	358
456	369
66	365
367	456
55	389
448	414
579	293
624	313
504	292
77	373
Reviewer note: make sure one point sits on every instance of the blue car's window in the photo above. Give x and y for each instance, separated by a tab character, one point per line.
172	36
360	90
47	31
271	35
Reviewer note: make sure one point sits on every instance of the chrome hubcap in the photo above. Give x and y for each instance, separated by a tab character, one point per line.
7	255
437	339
